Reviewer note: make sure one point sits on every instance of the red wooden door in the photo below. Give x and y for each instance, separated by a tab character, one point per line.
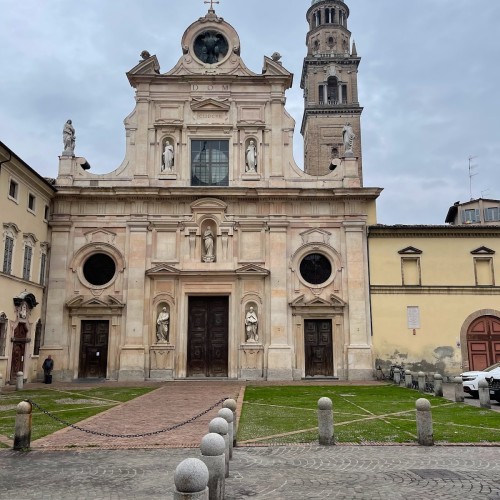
483	342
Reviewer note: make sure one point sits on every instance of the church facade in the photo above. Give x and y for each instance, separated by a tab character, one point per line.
208	252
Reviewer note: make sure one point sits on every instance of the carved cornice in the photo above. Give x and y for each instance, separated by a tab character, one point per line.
434	290
423	231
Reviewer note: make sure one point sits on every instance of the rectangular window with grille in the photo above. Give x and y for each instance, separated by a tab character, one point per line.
209	163
43	265
28	252
7	255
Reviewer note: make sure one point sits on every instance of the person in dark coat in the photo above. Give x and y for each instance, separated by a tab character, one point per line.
48	366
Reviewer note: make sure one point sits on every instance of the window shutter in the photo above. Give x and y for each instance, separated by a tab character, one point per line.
43	261
27	263
7	256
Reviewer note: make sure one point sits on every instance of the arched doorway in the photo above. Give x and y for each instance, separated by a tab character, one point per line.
483	342
18	351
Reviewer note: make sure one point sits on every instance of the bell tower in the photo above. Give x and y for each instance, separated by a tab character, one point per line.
330	84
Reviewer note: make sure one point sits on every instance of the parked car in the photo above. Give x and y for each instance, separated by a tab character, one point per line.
471	379
494	383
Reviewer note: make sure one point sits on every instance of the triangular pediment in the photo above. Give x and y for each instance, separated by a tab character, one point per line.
210	105
100	235
483	251
315	236
318	302
252	269
107	301
208	204
274	68
410	251
162	270
149	66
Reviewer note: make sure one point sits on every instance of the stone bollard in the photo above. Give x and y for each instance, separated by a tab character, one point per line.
484	394
408	379
421	381
22	433
438	385
397	376
459	390
213	449
424	423
191	480
220	426
227	415
231	404
325	422
19	381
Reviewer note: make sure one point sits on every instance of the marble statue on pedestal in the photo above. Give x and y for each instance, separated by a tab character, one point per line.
208	241
348	137
251	324
168	158
251	158
69	139
162	324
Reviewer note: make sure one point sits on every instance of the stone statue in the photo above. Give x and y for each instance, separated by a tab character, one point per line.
348	137
251	158
208	240
69	139
251	323
162	322
168	157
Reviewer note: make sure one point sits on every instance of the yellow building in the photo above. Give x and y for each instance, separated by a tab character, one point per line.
434	300
25	200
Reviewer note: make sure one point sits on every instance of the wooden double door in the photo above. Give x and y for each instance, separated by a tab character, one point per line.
318	346
94	349
208	337
483	342
18	351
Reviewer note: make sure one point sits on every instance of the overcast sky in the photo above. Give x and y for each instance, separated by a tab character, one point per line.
429	84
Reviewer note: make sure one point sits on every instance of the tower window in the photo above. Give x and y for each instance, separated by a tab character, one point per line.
210	163
316	45
333	91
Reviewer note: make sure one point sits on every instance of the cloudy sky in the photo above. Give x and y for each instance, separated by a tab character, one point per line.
429	83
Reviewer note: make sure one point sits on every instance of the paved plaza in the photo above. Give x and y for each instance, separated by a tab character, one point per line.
73	465
290	472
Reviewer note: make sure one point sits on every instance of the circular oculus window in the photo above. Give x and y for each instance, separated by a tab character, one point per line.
99	269
316	269
211	47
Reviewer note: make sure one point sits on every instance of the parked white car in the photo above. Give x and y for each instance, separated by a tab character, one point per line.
470	380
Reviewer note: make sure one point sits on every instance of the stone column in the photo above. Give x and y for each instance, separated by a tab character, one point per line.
213	450
359	352
231	404
191	479
220	426
459	390
227	415
133	351
58	288
325	422
421	381
438	385
484	394
142	132
279	353
22	433
424	423
408	379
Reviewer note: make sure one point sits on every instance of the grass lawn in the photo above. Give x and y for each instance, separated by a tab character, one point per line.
281	414
69	405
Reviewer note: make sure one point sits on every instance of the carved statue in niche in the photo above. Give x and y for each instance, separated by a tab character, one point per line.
208	243
162	327
251	325
168	158
348	137
251	158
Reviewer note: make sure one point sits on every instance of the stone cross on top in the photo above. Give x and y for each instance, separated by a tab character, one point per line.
211	2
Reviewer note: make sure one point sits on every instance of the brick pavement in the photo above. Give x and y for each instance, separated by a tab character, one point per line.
166	406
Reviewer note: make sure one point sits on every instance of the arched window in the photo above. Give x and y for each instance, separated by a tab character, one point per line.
333	90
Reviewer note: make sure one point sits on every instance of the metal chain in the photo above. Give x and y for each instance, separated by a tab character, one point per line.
105	434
